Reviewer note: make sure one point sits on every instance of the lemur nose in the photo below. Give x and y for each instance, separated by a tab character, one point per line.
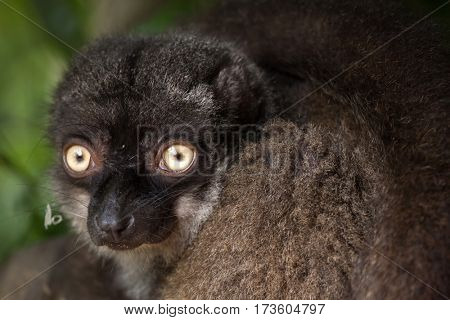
116	228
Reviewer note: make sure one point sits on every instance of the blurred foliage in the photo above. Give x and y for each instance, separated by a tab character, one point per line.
32	62
171	12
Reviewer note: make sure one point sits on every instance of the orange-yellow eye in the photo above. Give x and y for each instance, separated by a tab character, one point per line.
178	158
77	158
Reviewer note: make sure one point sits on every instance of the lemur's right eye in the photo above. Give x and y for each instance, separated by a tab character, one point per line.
78	159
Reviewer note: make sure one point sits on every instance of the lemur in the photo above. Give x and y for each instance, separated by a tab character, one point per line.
342	194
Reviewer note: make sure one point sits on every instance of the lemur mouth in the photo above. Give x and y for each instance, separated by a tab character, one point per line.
138	238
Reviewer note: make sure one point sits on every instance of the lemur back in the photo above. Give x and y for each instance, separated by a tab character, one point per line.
365	213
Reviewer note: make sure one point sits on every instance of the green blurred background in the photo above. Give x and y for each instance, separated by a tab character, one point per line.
33	60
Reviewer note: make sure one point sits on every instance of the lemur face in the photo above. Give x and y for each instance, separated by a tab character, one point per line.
137	127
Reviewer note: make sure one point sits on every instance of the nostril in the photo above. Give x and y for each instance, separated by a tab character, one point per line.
115	227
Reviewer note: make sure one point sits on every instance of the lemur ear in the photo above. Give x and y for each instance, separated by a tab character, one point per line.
241	89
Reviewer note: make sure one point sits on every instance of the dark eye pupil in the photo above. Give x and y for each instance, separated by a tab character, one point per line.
179	156
79	157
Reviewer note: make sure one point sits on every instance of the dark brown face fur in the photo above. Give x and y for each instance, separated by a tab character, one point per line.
122	105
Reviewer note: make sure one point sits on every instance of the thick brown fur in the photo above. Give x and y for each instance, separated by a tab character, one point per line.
294	216
366	215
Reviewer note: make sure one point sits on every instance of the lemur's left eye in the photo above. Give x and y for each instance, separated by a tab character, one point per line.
177	158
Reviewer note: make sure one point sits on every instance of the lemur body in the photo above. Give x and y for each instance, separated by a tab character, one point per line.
362	195
366	214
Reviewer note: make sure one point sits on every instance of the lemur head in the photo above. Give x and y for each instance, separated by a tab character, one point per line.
135	125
